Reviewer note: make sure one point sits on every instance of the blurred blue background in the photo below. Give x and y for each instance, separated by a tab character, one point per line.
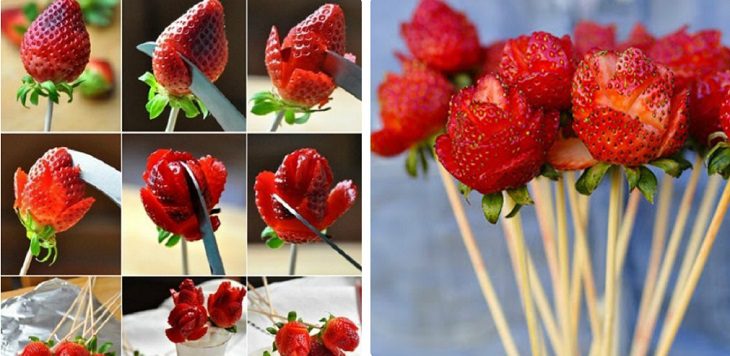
425	297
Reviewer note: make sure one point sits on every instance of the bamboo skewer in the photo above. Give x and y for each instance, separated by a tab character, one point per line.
645	327
546	223
610	278
477	262
627	227
564	287
675	316
698	231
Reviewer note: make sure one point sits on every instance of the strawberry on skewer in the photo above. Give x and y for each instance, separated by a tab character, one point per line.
199	36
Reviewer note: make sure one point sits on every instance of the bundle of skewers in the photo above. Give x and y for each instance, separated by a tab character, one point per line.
541	120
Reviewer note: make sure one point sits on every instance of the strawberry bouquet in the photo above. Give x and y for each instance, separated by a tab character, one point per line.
515	120
196	330
198	37
296	66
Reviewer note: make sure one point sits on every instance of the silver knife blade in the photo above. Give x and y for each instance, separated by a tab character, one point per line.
346	74
224	112
104	177
206	229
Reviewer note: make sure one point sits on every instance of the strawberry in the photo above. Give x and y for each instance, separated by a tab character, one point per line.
303	180
570	154
413	107
295	66
166	194
68	348
98	79
340	333
50	199
442	37
14	24
494	140
639	38
36	348
199	35
624	110
491	57
589	36
317	348
706	97
56	46
725	115
690	56
55	50
541	65
293	339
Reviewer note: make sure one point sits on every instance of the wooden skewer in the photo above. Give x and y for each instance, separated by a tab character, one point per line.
675	317
268	295
542	194
610	279
480	269
627	227
658	242
564	287
645	327
698	231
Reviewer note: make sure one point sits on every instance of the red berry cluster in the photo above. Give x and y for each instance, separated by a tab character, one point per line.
77	347
336	335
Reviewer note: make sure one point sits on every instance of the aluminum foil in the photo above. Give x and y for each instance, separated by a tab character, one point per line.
38	312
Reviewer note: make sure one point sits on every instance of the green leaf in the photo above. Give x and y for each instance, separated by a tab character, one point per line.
266	353
591	178
203	108
162	234
647	184
422	155
548	171
520	195
412	162
31	11
156	106
632	176
303	119
492	206
174	239
292	316
149	79
514	211
187	106
263	108
35	246
34	97
461	80
105	347
274	243
272	330
718	160
671	166
268	233
289	116
465	190
232	329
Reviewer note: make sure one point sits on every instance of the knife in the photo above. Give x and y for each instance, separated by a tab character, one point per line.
206	229
104	177
346	74
223	111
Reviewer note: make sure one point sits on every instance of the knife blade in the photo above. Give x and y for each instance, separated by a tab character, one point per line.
104	177
346	74
223	111
206	228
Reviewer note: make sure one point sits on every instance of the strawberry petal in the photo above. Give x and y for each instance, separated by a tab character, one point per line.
20	180
72	215
340	200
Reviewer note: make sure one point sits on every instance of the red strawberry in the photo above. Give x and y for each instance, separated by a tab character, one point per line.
200	36
725	115
36	348
187	322
317	348
98	79
187	293
570	154
340	333
706	96
624	109
295	66
413	106
589	35
303	180
14	24
293	339
690	56
68	348
494	140
442	37
166	195
50	199
639	38
56	46
541	65
492	56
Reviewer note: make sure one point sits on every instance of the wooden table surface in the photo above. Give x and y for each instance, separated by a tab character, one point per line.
312	259
345	114
142	255
82	114
104	288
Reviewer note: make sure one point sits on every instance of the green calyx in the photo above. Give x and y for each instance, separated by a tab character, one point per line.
591	178
492	203
640	177
266	102
93	345
167	238
98	12
418	156
158	98
94	84
272	239
31	90
41	237
718	160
